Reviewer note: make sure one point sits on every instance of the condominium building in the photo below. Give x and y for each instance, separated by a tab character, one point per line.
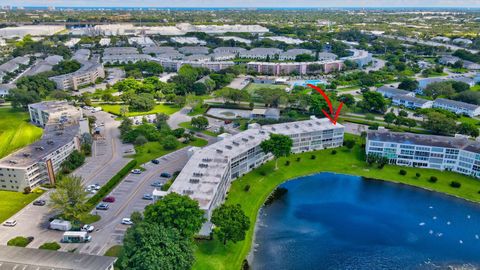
158	50
209	172
301	68
360	57
125	58
426	151
211	65
293	53
194	50
260	53
38	162
223	56
390	92
87	74
234	50
120	50
411	102
457	107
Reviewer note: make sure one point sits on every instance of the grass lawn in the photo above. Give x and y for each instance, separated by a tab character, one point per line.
11	202
476	87
214	255
153	150
252	87
187	125
348	88
114	251
16	131
159	108
470	120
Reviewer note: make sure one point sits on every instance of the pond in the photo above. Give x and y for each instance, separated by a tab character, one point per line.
332	221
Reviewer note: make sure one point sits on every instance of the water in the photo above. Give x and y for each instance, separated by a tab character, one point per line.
330	221
312	82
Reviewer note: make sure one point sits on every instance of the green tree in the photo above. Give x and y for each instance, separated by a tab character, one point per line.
408	84
69	197
150	246
21	98
437	89
66	66
389	118
468	129
373	102
349	143
231	223
278	145
126	125
169	142
271	97
347	99
438	123
200	122
143	102
176	211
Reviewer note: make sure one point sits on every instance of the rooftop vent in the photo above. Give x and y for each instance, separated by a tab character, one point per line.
245	139
194	180
235	143
50	142
310	124
251	137
203	165
196	174
219	151
12	161
188	192
207	159
296	126
26	154
39	148
228	146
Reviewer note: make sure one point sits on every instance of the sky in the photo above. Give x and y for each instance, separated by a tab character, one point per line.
245	3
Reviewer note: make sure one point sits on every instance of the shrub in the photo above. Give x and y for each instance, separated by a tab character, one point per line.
298	159
246	188
402	172
27	190
19	241
245	265
313	157
263	173
418	175
334	152
455	184
112	183
287	163
50	246
433	179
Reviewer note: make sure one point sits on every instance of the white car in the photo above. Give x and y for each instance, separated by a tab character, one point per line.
88	228
127	221
136	171
10	223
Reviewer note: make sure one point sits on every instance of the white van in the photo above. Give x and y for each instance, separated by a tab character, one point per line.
76	237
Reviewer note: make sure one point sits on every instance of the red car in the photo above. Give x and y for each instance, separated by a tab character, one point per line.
109	199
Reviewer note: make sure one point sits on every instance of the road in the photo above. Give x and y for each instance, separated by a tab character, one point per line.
179	117
107	159
128	194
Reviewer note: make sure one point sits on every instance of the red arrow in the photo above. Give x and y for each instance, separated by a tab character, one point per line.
333	117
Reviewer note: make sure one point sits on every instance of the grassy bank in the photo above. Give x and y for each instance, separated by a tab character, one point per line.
262	181
16	131
187	125
11	202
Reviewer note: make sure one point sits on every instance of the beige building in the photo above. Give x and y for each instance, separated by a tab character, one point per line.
87	74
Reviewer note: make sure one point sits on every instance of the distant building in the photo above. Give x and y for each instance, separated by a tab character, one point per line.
360	57
463	41
87	74
125	58
194	50
159	50
457	107
38	162
286	40
5	89
411	102
41	259
236	39
175	65
188	40
234	50
441	39
426	151
293	53
390	92
120	50
300	68
260	53
222	56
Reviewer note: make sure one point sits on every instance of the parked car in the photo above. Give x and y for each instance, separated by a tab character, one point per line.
148	197
10	223
136	171
39	202
127	221
128	151
88	228
109	199
102	206
157	184
155	161
165	174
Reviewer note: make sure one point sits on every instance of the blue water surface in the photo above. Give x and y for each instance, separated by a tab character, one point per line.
331	221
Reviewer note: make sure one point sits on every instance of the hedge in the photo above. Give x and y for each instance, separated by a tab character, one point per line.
111	184
50	246
19	241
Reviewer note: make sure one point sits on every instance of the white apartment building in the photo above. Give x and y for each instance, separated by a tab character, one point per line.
87	74
360	57
457	107
260	53
390	92
38	162
209	172
292	54
125	58
411	102
211	65
301	68
426	151
234	50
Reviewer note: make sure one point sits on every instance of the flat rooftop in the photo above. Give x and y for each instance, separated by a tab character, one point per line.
425	140
39	259
201	177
